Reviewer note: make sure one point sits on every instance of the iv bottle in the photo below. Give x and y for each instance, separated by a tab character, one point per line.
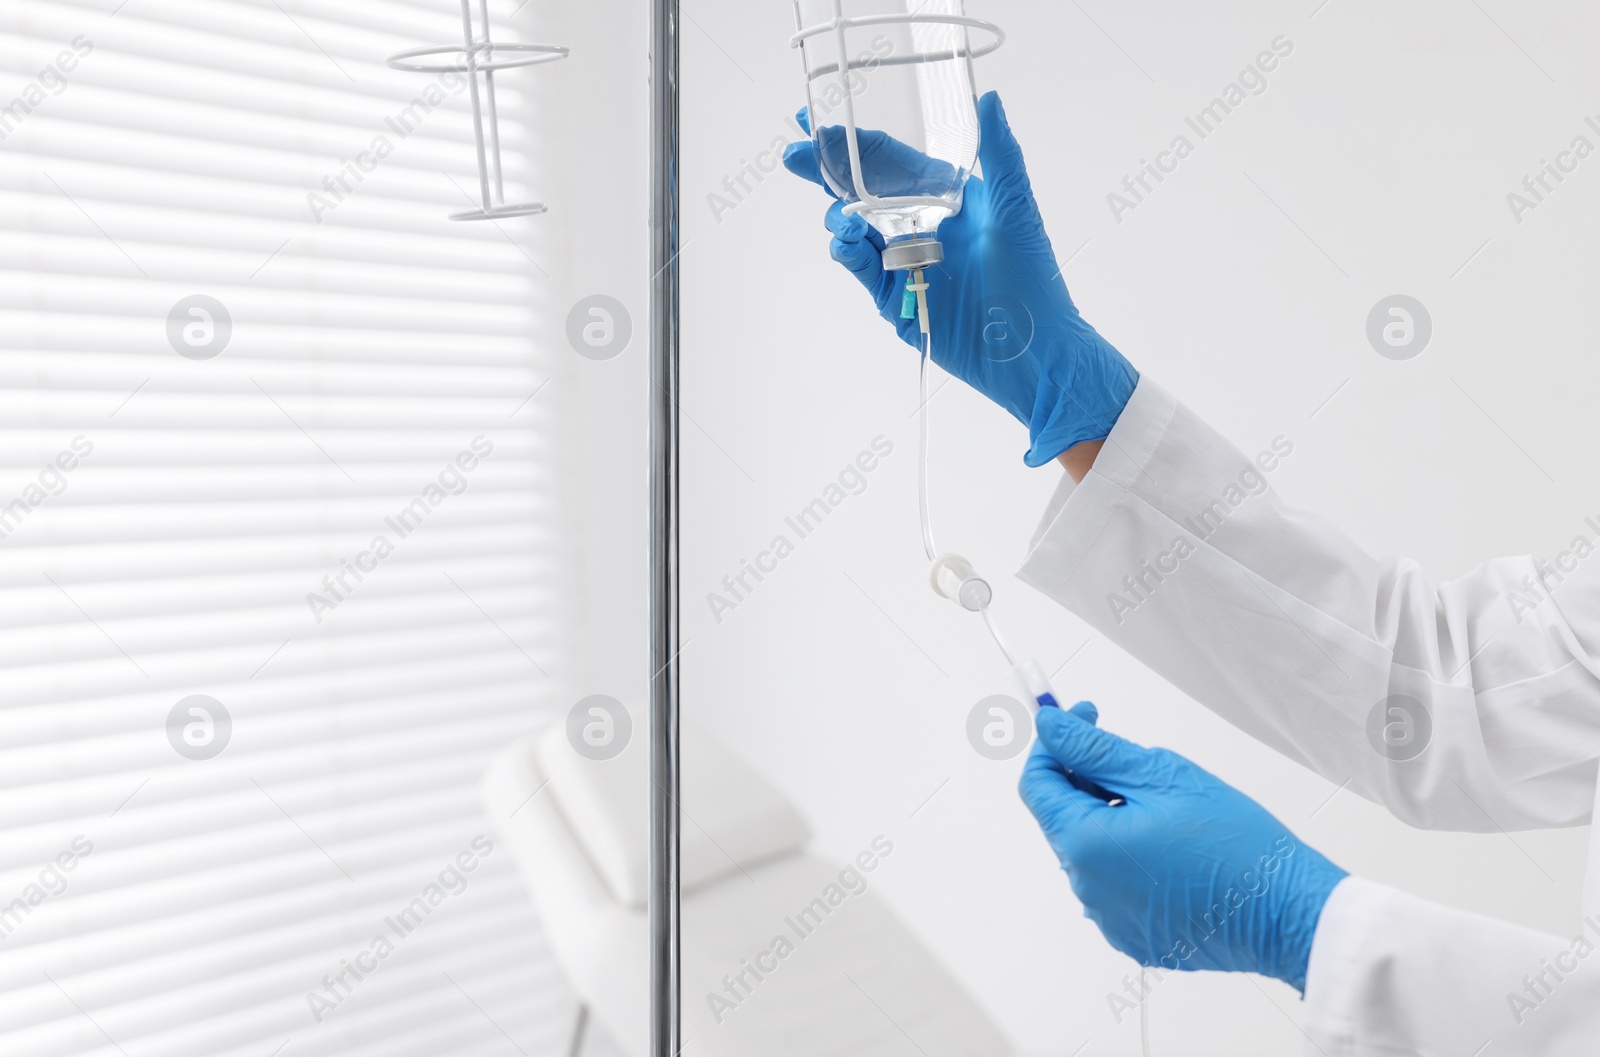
894	112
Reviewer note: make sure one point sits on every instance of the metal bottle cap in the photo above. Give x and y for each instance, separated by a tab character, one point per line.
910	254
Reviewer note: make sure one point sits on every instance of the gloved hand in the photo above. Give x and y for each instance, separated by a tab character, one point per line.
1189	873
1002	319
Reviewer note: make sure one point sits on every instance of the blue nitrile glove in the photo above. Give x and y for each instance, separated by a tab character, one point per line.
1002	319
1189	873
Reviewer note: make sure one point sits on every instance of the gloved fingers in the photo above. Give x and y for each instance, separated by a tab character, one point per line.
1092	753
851	226
854	247
862	260
801	159
891	167
1005	172
1086	711
1057	804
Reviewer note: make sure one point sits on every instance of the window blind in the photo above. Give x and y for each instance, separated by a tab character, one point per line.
279	537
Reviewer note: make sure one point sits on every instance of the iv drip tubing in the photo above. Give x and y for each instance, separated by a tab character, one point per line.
957	566
999	640
929	548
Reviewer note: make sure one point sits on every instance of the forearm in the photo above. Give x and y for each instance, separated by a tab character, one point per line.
1174	546
1078	460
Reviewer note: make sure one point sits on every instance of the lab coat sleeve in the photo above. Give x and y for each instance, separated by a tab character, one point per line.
1396	975
1472	707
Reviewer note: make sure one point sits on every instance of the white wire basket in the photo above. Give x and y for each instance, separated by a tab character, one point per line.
478	55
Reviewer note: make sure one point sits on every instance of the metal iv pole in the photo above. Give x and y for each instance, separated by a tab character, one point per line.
665	926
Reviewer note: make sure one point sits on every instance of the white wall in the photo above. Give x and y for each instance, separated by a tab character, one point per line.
1391	136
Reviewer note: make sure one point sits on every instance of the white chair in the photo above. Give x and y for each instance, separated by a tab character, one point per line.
854	982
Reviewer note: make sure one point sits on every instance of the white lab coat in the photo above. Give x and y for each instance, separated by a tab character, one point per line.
1276	621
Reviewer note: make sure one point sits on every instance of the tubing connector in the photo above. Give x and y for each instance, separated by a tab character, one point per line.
953	577
918	287
1034	684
